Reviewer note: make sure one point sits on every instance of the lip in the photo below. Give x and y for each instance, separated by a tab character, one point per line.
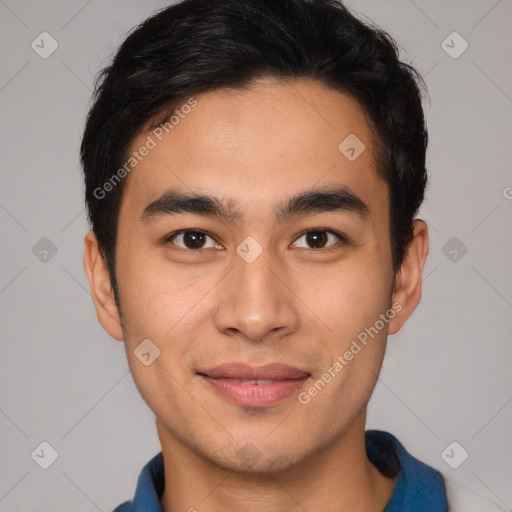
225	381
274	371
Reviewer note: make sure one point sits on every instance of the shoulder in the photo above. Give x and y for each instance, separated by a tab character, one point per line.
127	506
462	499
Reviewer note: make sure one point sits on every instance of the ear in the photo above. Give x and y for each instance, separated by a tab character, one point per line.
407	289
101	289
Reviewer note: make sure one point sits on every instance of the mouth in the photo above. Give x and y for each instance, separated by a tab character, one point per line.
250	386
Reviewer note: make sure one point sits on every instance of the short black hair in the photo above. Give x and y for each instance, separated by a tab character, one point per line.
203	45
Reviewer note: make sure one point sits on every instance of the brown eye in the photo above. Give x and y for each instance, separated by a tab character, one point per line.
317	239
193	240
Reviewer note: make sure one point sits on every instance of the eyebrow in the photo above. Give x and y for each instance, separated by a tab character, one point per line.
175	202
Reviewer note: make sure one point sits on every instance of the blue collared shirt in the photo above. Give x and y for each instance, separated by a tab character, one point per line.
418	488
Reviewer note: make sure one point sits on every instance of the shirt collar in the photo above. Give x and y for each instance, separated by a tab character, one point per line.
418	487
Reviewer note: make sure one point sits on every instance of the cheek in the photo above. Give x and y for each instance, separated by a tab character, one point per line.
164	309
156	296
350	297
162	387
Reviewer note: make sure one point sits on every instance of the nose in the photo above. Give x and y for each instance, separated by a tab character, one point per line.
256	301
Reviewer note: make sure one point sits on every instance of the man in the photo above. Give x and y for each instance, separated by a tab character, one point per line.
253	169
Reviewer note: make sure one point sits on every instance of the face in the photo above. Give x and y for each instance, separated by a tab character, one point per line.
285	262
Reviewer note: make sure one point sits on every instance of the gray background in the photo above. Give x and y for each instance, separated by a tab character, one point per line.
64	381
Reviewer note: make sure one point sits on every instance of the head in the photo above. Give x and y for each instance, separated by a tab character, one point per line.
253	171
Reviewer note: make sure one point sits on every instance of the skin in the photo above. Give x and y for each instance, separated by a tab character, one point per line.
294	304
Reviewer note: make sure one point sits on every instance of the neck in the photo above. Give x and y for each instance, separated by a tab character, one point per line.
338	478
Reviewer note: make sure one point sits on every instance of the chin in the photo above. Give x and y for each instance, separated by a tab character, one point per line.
257	458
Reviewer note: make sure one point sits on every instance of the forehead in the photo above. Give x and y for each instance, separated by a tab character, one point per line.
275	138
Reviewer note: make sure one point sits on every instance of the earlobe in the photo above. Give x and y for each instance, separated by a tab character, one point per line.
101	289
408	280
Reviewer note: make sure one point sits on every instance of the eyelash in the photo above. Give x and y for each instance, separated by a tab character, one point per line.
342	238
